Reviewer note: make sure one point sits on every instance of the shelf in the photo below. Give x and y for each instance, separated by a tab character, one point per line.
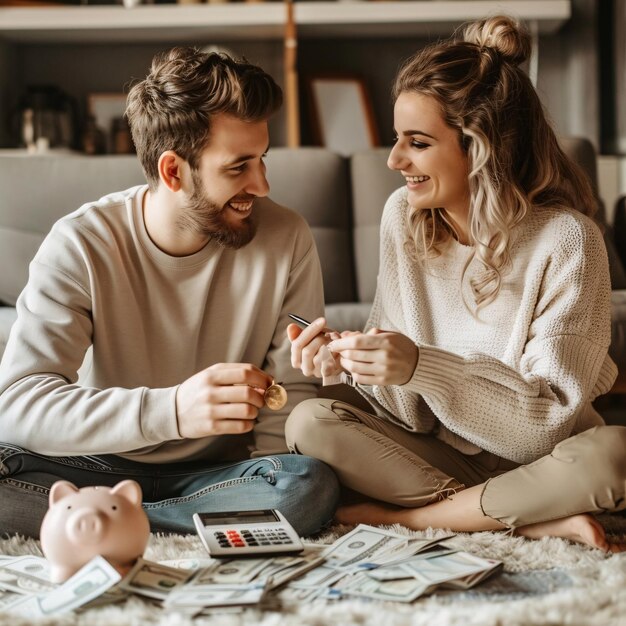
262	20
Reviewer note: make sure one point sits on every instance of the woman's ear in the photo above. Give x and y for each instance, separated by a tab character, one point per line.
170	173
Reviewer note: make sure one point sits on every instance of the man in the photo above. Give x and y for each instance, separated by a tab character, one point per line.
181	289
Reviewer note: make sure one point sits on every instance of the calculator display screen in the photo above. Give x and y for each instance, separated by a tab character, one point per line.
238	517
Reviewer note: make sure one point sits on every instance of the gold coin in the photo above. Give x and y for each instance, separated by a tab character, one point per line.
275	397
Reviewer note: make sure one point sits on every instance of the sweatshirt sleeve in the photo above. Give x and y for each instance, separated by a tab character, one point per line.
521	413
42	408
304	295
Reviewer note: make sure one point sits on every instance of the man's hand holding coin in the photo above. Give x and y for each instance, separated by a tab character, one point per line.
223	399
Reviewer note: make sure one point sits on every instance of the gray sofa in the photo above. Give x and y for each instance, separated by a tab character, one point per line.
342	199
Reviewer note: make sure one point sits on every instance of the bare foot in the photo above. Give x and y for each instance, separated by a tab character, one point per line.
371	513
579	528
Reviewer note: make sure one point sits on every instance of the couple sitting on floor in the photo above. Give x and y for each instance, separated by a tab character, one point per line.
485	346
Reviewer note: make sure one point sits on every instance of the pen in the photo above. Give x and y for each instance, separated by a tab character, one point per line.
300	320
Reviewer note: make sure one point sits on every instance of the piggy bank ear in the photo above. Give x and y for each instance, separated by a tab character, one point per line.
130	490
60	490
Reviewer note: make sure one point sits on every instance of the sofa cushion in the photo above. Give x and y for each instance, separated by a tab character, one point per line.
314	182
37	191
372	183
17	248
348	315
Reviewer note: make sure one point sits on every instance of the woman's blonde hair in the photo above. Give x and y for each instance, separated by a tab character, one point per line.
515	162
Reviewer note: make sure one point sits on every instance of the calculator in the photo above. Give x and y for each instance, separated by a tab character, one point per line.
243	533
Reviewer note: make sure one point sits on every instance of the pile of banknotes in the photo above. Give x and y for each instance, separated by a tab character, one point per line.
368	562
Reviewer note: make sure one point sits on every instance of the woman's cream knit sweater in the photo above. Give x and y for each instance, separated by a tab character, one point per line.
520	378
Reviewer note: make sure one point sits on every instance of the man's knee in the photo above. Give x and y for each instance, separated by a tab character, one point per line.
320	485
302	430
312	499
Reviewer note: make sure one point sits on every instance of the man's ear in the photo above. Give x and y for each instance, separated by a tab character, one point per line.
170	170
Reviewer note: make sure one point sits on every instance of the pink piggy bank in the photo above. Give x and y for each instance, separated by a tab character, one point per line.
83	523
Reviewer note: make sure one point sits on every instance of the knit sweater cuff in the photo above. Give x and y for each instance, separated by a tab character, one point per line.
159	422
436	374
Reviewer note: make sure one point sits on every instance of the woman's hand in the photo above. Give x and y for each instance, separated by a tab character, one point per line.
308	349
378	357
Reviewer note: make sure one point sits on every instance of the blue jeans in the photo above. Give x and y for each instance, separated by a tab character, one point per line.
304	489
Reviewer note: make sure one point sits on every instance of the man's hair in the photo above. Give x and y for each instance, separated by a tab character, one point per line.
515	162
172	108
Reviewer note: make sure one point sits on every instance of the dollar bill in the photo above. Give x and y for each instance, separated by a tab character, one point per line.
7	597
192	564
390	572
448	567
362	585
296	595
91	581
25	575
215	595
229	572
115	595
281	570
368	547
154	580
320	576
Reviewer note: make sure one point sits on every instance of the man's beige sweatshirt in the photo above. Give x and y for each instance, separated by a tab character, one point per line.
99	285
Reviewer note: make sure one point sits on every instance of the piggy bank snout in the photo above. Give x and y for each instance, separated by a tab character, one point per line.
86	526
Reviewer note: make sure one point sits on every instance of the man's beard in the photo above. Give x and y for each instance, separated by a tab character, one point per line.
205	217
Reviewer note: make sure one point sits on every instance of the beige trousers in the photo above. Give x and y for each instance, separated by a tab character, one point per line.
584	474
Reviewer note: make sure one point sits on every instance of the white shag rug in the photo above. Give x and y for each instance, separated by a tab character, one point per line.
569	585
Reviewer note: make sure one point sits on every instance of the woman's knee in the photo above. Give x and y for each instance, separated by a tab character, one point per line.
303	430
604	453
611	445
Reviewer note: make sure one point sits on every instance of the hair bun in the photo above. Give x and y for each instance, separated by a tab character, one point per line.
502	33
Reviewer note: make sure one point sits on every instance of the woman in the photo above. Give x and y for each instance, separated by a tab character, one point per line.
488	336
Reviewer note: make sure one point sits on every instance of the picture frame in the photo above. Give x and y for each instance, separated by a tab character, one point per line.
105	108
342	117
